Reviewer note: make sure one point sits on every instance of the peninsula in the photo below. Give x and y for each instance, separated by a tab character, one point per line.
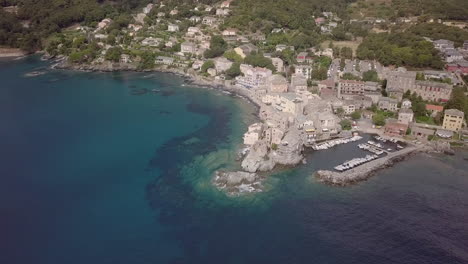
318	79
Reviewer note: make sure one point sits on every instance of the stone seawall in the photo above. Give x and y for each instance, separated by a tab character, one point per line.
366	170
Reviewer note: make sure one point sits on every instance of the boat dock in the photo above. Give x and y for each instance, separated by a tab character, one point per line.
359	173
335	142
355	162
371	148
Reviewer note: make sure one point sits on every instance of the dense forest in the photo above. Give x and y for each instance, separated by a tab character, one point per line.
400	49
291	14
444	9
439	31
37	19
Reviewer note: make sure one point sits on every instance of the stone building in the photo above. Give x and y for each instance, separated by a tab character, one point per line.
453	120
405	116
278	84
388	104
350	87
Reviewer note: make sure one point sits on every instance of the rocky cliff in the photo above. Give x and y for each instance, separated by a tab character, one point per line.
263	158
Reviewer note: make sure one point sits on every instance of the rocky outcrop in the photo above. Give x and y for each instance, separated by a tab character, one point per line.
258	158
262	157
237	182
442	147
106	66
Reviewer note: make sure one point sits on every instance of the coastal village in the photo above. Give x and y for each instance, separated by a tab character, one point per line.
307	97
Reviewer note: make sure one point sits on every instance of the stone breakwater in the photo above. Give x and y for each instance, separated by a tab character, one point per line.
237	182
366	170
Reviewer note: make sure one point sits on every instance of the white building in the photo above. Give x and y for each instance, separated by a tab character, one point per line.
172	28
188	47
278	63
253	77
222	64
277	84
305	70
253	134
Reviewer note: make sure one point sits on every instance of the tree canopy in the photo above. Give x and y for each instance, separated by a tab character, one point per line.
399	49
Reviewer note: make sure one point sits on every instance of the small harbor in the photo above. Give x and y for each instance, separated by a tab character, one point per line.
335	142
355	162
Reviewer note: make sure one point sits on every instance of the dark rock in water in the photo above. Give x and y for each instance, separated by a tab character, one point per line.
167	93
139	91
237	182
133	86
449	152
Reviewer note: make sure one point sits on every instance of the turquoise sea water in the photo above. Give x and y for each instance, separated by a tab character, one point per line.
95	170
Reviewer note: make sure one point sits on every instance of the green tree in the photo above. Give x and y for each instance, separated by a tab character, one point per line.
356	115
346	52
258	60
233	71
113	54
345	124
206	65
233	56
217	47
378	119
371	76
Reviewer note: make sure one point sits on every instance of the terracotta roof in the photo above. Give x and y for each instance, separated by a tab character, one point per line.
434	107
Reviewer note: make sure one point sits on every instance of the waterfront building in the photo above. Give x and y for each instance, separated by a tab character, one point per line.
453	120
421	133
277	84
327	122
222	64
164	60
405	116
273	135
253	77
395	129
253	134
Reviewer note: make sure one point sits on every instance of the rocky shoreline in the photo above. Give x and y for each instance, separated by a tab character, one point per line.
12	53
260	157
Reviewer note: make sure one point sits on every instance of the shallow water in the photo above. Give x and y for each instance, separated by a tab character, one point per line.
92	172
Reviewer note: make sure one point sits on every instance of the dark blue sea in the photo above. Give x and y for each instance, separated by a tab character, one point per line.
98	168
